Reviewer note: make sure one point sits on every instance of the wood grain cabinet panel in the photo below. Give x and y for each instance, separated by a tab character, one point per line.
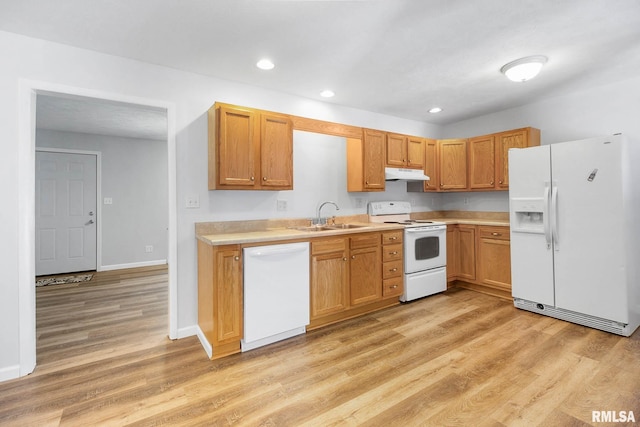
517	138
431	165
220	297
494	257
329	283
249	149
365	161
403	151
453	164
365	275
467	252
482	162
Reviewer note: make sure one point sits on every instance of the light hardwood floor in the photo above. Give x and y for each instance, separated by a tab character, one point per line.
458	358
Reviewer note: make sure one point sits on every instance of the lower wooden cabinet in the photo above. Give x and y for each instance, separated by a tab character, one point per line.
220	297
479	258
329	277
494	257
392	263
347	276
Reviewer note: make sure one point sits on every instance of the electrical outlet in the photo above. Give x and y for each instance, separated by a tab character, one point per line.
465	200
148	249
281	205
108	201
193	202
413	202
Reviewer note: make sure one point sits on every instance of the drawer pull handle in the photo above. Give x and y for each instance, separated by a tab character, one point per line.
496	234
394	253
394	286
393	238
393	270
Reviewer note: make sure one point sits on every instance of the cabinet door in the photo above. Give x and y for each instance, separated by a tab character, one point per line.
467	252
453	260
453	164
329	281
276	151
373	165
396	152
237	147
494	257
227	295
415	152
481	162
504	142
431	165
365	275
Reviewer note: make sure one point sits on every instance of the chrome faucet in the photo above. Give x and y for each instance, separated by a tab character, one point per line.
319	220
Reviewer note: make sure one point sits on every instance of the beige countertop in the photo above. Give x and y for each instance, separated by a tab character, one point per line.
258	231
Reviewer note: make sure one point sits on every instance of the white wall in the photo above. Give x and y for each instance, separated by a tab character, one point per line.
63	66
134	176
599	111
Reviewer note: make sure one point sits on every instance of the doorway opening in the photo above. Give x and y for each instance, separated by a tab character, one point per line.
107	257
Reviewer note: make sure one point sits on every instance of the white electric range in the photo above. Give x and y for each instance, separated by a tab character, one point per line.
425	249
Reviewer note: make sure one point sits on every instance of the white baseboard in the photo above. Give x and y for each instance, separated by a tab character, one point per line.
205	344
9	373
133	265
189	331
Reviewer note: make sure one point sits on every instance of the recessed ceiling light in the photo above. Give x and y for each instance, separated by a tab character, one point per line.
327	93
435	110
524	69
265	64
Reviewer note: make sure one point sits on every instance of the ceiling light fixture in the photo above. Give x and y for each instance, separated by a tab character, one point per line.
524	69
435	110
265	64
327	93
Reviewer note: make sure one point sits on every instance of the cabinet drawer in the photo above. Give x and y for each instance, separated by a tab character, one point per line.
365	240
390	237
392	269
328	246
498	233
392	252
391	287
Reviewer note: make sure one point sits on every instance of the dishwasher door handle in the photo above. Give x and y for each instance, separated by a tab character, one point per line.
275	251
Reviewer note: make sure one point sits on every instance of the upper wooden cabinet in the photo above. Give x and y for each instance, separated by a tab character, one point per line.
452	165
483	165
249	149
518	138
482	162
365	161
404	151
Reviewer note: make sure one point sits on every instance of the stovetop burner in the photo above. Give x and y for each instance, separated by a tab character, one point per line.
410	221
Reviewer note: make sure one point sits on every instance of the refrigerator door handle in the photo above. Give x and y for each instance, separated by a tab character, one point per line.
545	216
554	216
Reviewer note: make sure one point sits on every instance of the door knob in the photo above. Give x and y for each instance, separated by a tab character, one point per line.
91	213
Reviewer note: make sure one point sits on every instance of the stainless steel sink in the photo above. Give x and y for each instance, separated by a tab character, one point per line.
313	228
344	226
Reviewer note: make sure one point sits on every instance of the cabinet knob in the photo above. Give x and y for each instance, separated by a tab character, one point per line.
393	238
237	258
496	234
394	269
264	178
500	181
366	182
252	178
353	257
394	286
344	259
394	253
491	182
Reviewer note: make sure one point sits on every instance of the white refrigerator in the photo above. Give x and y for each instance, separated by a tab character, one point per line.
575	231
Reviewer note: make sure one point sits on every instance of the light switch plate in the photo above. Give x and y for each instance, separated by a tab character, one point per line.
108	201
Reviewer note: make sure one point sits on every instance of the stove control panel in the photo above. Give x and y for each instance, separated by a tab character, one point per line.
389	208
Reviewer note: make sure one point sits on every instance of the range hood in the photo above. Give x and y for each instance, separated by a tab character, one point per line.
396	174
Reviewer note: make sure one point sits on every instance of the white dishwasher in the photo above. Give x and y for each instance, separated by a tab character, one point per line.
276	293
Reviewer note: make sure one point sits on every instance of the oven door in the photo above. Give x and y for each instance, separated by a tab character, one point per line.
424	248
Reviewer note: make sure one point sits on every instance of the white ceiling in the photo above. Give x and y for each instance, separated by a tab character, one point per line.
396	57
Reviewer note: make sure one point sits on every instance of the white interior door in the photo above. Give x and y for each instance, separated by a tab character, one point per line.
66	231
